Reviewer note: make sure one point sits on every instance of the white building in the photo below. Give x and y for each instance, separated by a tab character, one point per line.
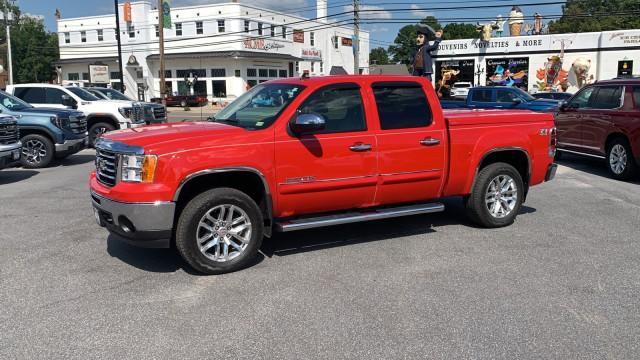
532	62
229	46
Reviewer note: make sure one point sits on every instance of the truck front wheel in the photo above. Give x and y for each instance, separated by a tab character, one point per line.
496	196
37	151
97	130
219	231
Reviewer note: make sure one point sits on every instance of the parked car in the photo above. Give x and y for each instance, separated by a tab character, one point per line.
102	115
553	95
45	133
501	97
153	113
460	90
325	151
603	121
9	141
183	100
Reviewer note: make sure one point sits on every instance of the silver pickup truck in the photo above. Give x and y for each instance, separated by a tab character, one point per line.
9	141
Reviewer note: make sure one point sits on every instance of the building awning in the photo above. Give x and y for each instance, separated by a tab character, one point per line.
338	70
227	54
85	60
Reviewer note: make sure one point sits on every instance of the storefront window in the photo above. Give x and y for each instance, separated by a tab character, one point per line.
452	71
219	88
199	88
508	72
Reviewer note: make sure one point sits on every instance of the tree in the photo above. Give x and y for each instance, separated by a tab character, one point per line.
379	56
33	48
405	41
455	31
591	16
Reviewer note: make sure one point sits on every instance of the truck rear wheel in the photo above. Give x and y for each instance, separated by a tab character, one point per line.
620	161
220	231
496	196
37	151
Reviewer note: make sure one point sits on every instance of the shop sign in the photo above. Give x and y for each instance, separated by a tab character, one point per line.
99	74
127	12
625	68
347	41
311	54
508	72
260	44
298	36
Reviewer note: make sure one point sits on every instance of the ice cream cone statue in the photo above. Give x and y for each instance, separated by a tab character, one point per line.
516	19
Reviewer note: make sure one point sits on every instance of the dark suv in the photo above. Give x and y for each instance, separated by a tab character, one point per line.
603	120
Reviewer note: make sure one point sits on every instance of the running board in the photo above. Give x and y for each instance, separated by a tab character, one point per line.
365	215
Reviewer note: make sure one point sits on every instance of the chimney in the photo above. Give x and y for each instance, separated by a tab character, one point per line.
321	10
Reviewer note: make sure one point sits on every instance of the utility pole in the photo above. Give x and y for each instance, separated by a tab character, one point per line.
356	37
161	46
7	17
115	3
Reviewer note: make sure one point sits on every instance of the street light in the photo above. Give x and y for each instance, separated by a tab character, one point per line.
191	80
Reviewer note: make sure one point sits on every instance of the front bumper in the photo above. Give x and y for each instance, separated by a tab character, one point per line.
551	172
140	224
10	155
72	146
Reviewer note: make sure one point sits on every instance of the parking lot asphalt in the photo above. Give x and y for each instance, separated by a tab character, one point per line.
562	283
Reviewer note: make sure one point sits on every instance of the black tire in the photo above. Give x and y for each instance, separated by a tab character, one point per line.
188	226
98	129
620	169
183	103
37	151
477	207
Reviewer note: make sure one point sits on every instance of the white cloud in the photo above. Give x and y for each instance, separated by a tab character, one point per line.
377	29
416	10
371	14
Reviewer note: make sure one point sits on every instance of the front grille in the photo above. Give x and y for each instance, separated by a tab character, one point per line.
106	166
78	124
159	113
9	133
137	114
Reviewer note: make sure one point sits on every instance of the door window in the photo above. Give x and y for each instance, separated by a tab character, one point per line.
53	96
402	106
582	99
607	97
505	96
339	105
482	95
31	95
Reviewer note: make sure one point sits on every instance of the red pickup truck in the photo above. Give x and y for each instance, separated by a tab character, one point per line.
295	154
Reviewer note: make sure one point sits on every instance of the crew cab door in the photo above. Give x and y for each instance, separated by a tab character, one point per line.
598	119
481	98
508	99
569	120
333	168
412	143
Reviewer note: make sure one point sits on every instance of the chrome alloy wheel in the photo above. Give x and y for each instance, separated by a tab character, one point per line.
618	159
34	151
501	196
223	233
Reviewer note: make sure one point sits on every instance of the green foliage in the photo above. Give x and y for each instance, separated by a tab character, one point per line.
573	19
33	48
379	56
455	31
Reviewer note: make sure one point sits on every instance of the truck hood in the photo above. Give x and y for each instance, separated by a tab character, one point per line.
49	112
165	138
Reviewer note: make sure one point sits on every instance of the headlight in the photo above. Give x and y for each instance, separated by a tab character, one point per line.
59	122
126	112
138	168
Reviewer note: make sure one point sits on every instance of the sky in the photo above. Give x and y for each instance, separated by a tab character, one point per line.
381	34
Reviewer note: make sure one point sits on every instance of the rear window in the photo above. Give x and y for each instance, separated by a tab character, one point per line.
31	95
482	95
402	105
608	97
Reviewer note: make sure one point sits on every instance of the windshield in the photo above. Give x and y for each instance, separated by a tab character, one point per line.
113	94
98	94
82	94
259	107
13	103
525	95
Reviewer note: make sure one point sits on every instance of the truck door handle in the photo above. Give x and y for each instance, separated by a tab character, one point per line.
429	141
360	147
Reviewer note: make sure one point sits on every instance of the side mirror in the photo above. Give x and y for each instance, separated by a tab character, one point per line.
564	106
517	101
68	101
307	123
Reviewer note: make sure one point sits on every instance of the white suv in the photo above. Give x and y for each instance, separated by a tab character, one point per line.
460	90
102	115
